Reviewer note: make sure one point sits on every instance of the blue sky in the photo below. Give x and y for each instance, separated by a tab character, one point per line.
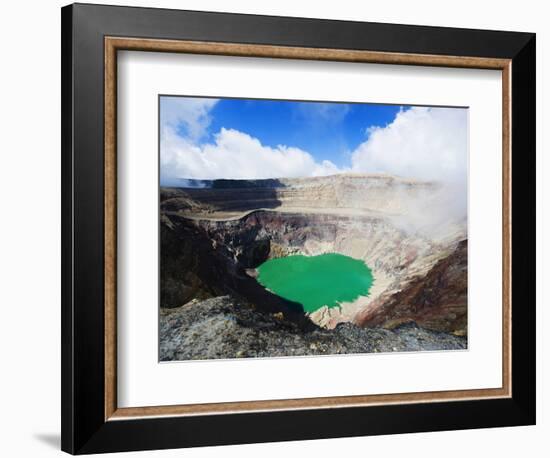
328	131
208	138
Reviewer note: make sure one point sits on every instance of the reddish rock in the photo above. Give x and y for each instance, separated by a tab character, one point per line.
437	301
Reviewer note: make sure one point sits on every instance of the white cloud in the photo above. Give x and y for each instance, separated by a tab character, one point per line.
423	143
193	114
234	155
427	144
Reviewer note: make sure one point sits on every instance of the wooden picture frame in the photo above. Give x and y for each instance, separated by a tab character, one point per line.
91	419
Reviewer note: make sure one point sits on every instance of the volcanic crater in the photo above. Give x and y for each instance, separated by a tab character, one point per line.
215	234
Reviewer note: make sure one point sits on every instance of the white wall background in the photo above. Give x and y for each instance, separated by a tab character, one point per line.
30	226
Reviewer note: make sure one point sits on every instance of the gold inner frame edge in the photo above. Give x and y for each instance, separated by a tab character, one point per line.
114	44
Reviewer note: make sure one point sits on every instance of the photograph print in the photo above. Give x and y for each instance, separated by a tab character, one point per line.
304	228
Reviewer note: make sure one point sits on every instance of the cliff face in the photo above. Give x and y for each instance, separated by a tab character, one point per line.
340	194
213	238
197	264
435	301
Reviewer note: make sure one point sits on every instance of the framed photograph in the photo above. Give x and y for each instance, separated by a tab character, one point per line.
283	228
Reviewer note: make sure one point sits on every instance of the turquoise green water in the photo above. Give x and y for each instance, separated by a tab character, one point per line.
314	281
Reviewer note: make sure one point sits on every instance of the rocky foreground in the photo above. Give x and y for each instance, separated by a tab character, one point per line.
223	328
